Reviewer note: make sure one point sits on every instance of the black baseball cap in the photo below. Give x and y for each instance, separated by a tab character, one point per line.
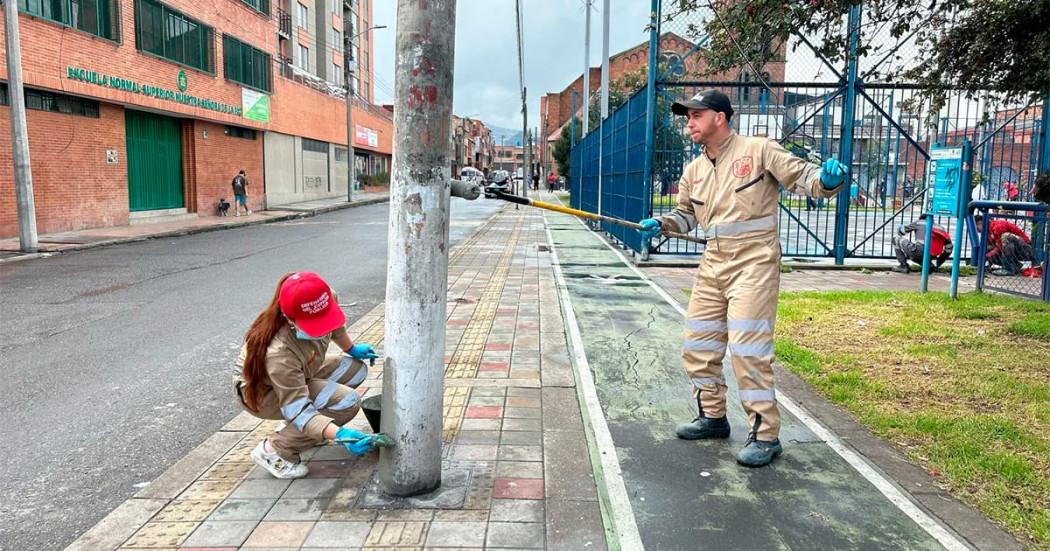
709	99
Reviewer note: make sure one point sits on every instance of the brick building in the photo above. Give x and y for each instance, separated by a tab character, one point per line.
556	107
471	144
143	110
512	157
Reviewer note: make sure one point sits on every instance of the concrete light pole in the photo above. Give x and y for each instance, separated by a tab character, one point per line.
417	266
348	76
27	237
587	68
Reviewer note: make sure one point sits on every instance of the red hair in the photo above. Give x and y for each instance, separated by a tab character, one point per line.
260	334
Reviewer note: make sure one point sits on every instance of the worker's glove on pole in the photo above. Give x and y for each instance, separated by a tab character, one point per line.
363	351
832	174
650	228
355	441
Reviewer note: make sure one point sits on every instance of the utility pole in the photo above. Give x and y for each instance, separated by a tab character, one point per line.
605	59
27	237
348	77
587	67
417	266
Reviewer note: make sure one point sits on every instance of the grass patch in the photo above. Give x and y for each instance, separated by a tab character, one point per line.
1033	325
960	386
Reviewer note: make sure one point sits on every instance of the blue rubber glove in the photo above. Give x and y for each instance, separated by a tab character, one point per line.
650	228
355	441
363	351
832	174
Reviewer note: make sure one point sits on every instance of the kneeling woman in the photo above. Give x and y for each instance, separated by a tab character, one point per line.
288	371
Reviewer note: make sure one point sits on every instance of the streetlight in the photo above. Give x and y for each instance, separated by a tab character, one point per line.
348	74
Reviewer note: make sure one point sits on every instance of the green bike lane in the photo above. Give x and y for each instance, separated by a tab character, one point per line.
692	494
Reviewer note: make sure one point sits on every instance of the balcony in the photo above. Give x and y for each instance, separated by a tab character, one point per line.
284	23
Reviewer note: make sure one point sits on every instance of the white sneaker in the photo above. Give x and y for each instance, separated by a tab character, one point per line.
277	465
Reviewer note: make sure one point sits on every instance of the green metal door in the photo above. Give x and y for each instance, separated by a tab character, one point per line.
154	161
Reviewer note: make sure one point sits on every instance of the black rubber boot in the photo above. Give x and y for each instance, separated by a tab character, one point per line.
758	453
703	427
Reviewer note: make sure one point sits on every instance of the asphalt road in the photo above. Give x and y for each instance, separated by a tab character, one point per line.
116	361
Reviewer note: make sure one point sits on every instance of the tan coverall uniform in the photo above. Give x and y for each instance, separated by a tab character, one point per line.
309	385
734	299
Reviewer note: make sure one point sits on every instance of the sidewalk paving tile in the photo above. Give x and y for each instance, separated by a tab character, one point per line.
521	438
519	469
242	509
279	534
261	488
297	509
312	487
456	534
520	453
187	510
516	510
160	534
397	533
517	535
517	488
338	534
219	533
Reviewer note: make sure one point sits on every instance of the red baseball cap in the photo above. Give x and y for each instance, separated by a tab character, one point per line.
308	301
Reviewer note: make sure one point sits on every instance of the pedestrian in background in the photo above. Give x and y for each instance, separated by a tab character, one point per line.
1008	246
731	190
909	245
551	180
240	194
299	364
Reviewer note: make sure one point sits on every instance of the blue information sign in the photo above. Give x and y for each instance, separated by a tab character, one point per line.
944	177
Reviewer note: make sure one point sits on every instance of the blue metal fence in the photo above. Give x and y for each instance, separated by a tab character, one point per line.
882	128
1033	279
616	150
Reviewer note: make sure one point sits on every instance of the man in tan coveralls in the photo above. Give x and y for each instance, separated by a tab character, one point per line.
731	191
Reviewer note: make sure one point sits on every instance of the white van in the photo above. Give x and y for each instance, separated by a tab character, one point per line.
471	174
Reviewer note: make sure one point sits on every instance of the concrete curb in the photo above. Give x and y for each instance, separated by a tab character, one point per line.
203	229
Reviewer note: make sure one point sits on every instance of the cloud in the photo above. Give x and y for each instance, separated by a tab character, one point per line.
486	65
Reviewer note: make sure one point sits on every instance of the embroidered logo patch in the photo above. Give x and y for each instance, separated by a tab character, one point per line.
742	167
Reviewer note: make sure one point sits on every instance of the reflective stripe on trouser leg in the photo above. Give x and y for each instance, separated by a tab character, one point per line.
341	405
704	345
752	317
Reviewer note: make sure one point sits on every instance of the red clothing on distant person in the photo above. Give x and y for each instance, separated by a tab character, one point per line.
994	234
939	238
1011	191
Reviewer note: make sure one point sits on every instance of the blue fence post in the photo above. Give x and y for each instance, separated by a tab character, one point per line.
962	201
846	136
650	112
1041	232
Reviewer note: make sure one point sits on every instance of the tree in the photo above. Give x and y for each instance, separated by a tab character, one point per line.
620	90
563	144
998	47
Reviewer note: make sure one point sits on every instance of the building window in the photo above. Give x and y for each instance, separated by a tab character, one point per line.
340	154
41	100
304	57
247	65
304	15
167	33
315	146
337	74
337	39
239	132
261	6
98	17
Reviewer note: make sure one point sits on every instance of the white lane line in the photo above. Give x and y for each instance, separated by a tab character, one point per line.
892	492
619	504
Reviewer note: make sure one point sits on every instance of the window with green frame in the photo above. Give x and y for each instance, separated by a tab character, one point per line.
98	17
261	6
168	33
247	65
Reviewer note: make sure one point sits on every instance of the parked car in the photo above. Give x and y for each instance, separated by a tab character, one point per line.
499	181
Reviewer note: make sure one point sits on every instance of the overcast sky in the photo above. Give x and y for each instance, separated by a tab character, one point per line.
486	51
